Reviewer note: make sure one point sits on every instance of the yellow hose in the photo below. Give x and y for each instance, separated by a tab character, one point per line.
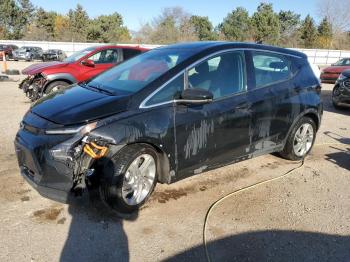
217	202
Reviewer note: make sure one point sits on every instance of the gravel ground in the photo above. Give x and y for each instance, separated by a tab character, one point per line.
302	217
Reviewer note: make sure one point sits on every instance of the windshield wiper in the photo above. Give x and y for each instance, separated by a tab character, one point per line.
98	88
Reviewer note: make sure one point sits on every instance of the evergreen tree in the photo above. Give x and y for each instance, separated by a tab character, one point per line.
203	27
308	32
266	24
236	26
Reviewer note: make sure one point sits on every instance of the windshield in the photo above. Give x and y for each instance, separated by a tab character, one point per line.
343	62
134	74
77	55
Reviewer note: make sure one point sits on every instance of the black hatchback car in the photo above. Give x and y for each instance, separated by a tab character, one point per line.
167	114
341	91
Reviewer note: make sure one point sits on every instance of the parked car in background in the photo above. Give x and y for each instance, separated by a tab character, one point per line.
28	53
167	114
46	77
341	91
331	73
54	55
8	49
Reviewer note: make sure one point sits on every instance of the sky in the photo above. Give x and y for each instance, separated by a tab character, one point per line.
137	12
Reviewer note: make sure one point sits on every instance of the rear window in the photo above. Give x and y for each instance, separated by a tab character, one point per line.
270	68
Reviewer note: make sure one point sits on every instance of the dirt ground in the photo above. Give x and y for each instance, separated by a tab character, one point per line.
302	217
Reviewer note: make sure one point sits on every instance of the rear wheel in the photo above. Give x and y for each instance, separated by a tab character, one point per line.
300	139
55	86
129	178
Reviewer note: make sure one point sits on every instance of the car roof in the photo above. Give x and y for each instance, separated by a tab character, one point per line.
100	47
207	45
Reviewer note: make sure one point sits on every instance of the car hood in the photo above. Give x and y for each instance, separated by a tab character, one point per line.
75	105
336	69
38	68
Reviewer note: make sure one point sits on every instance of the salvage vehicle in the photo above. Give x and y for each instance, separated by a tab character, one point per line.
331	73
8	49
28	53
167	114
46	77
54	55
341	91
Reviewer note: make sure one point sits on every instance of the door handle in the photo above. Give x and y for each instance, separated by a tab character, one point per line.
242	106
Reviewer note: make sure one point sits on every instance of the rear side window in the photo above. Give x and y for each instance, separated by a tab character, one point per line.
270	68
129	53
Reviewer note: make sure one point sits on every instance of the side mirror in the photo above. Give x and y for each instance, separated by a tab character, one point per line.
196	96
88	62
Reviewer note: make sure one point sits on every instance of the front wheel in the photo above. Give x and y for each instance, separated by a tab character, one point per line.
129	178
335	97
300	139
55	86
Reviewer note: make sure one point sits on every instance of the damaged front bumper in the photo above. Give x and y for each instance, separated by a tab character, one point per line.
55	165
33	86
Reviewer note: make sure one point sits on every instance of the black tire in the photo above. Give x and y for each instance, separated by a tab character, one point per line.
288	151
113	177
334	99
55	84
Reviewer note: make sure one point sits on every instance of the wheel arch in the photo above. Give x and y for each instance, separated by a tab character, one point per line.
163	164
311	113
66	77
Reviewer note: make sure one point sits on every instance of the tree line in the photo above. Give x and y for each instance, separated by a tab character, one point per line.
19	19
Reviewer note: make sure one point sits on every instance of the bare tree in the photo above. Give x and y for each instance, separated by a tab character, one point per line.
171	26
338	14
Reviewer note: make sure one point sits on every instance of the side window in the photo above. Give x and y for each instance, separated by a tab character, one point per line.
169	92
222	75
270	68
108	56
129	53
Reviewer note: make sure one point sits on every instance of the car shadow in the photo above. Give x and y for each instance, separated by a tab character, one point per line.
340	158
274	245
326	96
96	233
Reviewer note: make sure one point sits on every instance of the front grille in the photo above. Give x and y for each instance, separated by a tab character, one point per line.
347	83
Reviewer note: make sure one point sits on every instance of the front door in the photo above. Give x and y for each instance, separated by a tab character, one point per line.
216	133
103	60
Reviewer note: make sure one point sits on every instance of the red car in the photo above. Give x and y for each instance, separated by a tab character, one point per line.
331	74
44	78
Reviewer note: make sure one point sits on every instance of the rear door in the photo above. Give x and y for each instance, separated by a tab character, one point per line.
271	96
103	60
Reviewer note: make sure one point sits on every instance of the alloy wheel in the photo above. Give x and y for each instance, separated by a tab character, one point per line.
139	179
303	140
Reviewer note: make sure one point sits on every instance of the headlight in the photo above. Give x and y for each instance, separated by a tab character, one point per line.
341	77
72	130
